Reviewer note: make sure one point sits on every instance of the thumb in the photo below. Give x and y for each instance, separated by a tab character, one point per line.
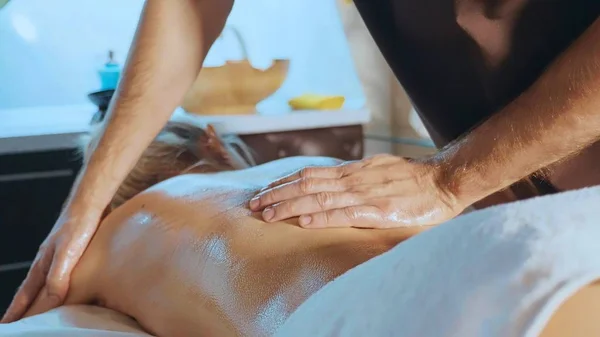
59	278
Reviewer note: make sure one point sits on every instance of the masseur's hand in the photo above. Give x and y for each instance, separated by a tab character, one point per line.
379	192
53	265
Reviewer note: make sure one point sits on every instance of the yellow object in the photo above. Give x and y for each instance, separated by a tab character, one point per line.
317	102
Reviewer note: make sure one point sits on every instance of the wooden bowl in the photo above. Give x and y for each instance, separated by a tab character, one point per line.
234	88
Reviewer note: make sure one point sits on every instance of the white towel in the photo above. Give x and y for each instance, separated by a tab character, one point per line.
498	272
74	321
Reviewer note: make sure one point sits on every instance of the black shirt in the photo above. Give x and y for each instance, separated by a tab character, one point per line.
462	60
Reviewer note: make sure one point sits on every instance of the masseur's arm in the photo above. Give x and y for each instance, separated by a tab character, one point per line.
556	117
172	39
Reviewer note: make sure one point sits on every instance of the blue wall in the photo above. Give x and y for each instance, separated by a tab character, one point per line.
50	50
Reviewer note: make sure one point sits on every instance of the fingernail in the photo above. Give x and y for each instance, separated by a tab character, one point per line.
305	220
254	203
268	214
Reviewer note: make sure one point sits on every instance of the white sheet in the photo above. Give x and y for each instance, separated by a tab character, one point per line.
500	272
74	321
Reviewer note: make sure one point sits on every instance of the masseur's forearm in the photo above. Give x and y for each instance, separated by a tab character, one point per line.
556	117
171	42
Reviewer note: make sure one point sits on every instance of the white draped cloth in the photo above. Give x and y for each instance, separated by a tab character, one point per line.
502	271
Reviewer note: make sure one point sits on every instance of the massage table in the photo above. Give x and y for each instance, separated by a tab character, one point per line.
440	283
75	321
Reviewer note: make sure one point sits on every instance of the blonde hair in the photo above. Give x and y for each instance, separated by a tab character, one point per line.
179	148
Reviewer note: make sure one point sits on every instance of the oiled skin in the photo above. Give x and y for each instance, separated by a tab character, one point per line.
187	257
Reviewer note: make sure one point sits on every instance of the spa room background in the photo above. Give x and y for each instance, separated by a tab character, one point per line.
50	52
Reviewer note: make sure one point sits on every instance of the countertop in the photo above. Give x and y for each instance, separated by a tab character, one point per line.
50	128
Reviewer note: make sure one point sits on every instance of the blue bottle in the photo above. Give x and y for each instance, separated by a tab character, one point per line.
110	73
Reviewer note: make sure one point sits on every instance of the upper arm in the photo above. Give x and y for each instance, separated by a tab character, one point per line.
213	16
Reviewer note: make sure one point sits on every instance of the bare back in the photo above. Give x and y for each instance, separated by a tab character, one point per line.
187	255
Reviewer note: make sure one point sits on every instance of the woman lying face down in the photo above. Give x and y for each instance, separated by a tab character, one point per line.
179	250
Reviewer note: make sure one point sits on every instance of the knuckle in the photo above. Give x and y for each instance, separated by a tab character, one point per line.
70	255
37	271
42	250
341	171
68	252
324	199
38	268
266	198
306	185
326	218
57	288
284	209
351	213
72	252
388	207
353	180
382	158
368	162
306	172
277	182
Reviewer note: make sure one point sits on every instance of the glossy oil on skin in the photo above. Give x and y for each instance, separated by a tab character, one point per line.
188	256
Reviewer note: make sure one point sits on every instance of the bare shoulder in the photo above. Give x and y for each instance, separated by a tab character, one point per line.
578	316
263	174
215	191
296	163
249	179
